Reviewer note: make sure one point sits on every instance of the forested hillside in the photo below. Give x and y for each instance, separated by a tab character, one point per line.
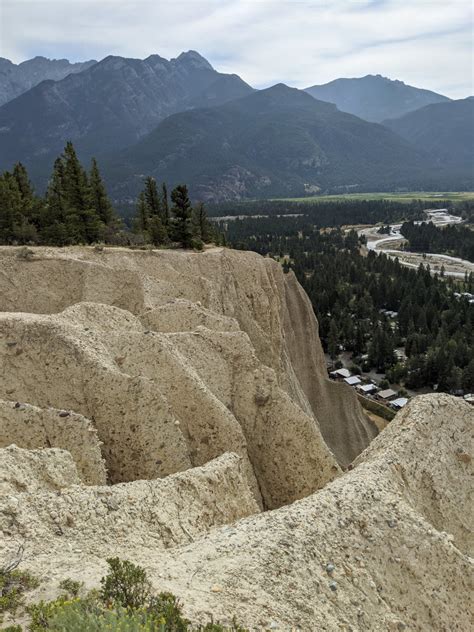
277	142
444	130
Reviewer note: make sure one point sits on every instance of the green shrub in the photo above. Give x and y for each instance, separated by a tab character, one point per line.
124	604
166	607
197	243
71	587
78	618
125	584
13	585
41	613
12	628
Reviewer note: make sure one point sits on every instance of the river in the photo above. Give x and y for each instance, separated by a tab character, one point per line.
453	266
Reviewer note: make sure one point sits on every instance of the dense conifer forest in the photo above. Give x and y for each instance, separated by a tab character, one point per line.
76	210
457	241
338	212
352	291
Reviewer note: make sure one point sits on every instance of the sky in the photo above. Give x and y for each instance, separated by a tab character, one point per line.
428	44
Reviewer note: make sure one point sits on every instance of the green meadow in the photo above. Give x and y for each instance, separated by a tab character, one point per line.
454	196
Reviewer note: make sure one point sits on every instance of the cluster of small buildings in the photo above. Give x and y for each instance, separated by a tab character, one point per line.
387	396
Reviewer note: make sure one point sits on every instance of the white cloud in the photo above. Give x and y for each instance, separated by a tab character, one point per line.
301	42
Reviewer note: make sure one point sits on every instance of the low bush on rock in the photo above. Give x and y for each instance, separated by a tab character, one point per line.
13	585
125	603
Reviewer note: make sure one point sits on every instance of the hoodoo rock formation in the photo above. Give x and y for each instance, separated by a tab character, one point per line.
128	336
173	408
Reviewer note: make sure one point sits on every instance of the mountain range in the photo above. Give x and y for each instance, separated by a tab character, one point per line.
18	78
374	98
183	121
444	130
274	142
108	106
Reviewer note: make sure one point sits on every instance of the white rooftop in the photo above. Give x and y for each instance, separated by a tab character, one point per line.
352	380
342	372
367	388
387	393
400	402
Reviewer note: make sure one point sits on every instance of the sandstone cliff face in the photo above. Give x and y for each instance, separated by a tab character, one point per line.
30	471
119	337
383	547
35	428
111	520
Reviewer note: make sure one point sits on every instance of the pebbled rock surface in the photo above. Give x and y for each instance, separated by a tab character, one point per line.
112	520
219	289
32	428
30	471
383	547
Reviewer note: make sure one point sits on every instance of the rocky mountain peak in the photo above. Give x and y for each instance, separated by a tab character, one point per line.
194	59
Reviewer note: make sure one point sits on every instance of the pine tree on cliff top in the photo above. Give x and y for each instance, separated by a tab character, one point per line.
98	196
182	213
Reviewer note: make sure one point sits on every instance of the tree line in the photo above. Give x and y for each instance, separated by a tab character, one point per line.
339	212
76	209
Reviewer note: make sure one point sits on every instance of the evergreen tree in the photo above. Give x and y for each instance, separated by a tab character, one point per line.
201	225
10	208
75	183
82	217
149	215
182	212
58	226
141	219
165	203
26	190
151	196
98	196
157	231
72	211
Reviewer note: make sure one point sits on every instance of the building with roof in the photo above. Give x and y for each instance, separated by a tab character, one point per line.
353	380
367	389
386	395
399	403
340	374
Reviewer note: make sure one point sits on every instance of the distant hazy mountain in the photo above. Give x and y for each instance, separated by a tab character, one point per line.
107	106
274	142
374	98
444	130
18	78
